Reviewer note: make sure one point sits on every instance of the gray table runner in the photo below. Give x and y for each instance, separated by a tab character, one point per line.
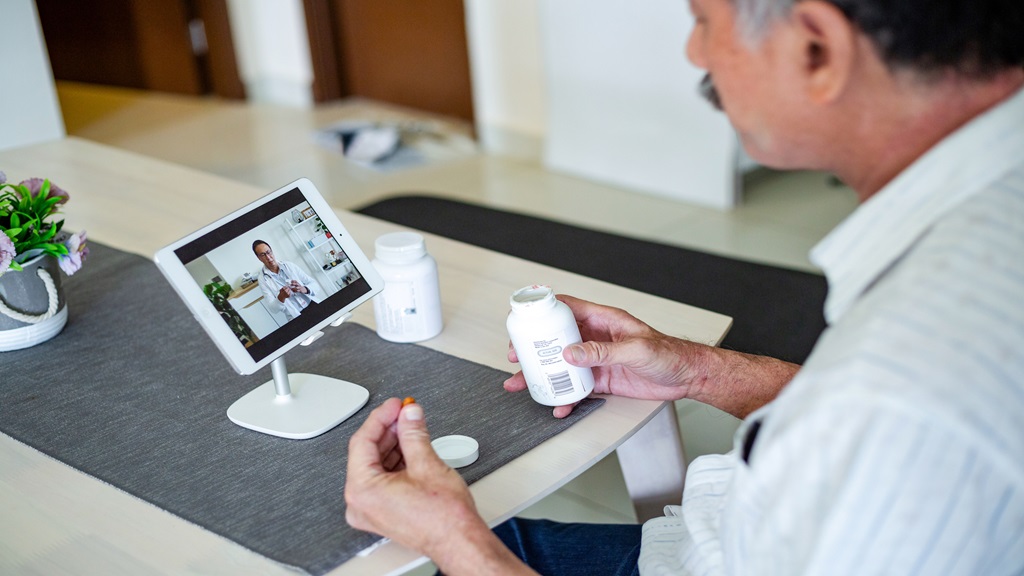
134	393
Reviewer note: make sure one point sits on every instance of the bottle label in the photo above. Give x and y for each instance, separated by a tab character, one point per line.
408	311
396	309
561	383
559	377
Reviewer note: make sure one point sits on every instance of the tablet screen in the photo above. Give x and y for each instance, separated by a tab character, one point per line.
273	272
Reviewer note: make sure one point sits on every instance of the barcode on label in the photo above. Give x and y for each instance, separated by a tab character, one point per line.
561	383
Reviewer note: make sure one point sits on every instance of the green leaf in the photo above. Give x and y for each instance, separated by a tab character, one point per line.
49	204
55	249
48	232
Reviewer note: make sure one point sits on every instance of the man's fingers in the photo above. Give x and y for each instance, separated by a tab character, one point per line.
563	411
364	448
392	460
582	310
517	383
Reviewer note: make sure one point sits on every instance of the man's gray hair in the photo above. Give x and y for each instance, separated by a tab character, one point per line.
756	16
971	37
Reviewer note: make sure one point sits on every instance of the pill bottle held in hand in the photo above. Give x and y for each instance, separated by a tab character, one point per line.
541	327
409	307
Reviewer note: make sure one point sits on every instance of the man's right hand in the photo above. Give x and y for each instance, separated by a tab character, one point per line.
632	359
629	357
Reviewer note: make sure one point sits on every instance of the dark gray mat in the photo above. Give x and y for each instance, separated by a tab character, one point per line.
133	392
776	312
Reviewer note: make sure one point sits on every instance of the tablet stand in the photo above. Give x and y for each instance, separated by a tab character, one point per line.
297	406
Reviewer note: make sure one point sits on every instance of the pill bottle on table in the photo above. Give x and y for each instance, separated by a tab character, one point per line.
409	307
541	327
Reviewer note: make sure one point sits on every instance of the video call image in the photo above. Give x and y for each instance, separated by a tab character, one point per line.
274	273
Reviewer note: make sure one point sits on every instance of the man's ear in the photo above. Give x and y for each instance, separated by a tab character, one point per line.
826	46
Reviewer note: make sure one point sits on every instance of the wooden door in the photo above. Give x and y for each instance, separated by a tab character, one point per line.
409	52
180	46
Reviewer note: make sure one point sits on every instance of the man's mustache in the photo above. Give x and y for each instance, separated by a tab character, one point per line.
709	92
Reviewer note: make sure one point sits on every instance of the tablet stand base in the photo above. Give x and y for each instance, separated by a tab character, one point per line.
297	406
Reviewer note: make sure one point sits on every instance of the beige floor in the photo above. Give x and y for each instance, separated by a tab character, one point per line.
782	216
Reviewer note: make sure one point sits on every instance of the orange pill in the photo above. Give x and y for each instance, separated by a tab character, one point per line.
408	400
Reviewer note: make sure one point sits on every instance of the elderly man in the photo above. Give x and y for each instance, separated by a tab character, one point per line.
898	447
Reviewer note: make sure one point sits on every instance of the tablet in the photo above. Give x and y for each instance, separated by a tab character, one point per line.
265	279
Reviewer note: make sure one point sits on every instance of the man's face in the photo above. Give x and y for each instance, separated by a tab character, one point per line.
746	80
266	255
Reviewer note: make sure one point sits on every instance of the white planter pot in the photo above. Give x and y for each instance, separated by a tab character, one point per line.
32	305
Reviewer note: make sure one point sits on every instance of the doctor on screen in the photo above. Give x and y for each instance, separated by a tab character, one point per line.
285	286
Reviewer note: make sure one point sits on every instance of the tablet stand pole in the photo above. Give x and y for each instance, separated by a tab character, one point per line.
280	373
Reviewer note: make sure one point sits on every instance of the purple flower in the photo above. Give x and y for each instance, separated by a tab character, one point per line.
7	251
77	251
34	185
3	177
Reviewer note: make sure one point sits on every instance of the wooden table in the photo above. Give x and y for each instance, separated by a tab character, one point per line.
55	519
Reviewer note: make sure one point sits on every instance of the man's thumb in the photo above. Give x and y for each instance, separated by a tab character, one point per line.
588	354
413	436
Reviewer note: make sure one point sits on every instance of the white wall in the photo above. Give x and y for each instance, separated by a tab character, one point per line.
600	89
623	101
272	51
29	109
507	70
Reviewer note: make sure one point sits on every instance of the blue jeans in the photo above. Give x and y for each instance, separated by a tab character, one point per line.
561	549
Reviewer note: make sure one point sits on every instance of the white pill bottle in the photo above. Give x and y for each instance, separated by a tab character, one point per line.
541	327
409	307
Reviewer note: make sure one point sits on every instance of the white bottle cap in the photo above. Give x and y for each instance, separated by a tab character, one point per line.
456	450
400	247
